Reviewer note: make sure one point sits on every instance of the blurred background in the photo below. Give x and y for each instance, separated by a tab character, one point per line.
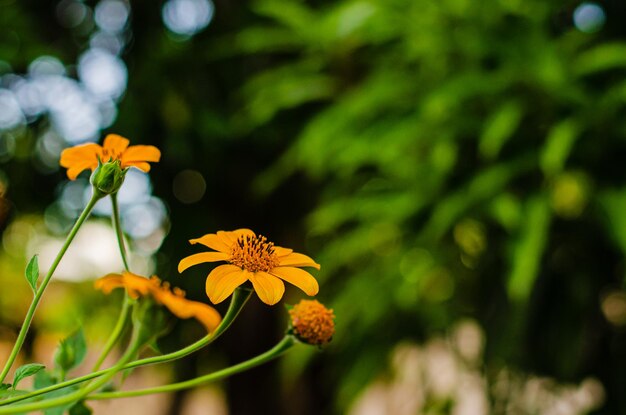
457	167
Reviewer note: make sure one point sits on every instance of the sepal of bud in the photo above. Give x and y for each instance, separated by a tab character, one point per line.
151	321
108	177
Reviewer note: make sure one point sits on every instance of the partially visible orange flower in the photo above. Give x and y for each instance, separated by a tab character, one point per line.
138	286
115	147
251	258
312	322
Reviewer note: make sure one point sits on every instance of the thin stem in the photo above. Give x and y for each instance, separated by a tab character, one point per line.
238	300
118	230
115	334
125	312
285	344
80	394
39	292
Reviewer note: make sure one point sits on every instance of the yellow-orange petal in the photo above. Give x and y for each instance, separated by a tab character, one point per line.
137	285
78	168
79	158
115	143
184	308
141	165
200	258
141	153
223	280
80	153
297	260
231	237
281	252
108	283
269	288
298	277
206	315
212	241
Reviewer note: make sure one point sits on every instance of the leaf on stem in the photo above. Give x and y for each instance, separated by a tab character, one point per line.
26	371
80	409
32	272
44	379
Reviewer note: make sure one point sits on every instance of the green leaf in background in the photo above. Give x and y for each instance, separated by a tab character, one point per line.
80	409
26	371
71	351
499	128
559	144
529	248
32	272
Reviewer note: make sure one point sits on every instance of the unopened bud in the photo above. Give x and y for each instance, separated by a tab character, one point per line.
107	178
312	323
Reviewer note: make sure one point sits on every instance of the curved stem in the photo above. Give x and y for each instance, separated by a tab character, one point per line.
39	293
238	300
125	312
285	344
80	394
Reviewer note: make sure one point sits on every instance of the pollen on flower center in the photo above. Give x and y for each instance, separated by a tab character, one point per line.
254	253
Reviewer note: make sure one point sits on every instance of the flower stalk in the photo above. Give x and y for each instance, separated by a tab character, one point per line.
238	300
70	398
40	290
285	344
125	311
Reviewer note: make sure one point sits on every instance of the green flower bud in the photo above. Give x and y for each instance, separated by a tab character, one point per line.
107	178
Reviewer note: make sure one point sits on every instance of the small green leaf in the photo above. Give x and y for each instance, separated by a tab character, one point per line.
80	409
71	351
26	371
32	272
5	390
44	379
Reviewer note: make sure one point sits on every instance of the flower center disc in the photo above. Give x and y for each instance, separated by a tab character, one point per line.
254	253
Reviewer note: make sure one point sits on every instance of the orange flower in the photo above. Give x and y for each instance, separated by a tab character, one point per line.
138	286
312	322
115	147
251	258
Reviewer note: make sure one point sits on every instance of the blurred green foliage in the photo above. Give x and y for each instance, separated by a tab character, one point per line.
470	157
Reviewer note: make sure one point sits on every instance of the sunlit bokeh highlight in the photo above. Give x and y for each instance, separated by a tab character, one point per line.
187	17
589	17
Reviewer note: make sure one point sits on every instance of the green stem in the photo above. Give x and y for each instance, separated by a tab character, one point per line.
118	230
39	293
115	334
80	394
125	312
285	344
238	300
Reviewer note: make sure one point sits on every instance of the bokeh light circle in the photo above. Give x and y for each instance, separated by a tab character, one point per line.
102	73
187	17
589	17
